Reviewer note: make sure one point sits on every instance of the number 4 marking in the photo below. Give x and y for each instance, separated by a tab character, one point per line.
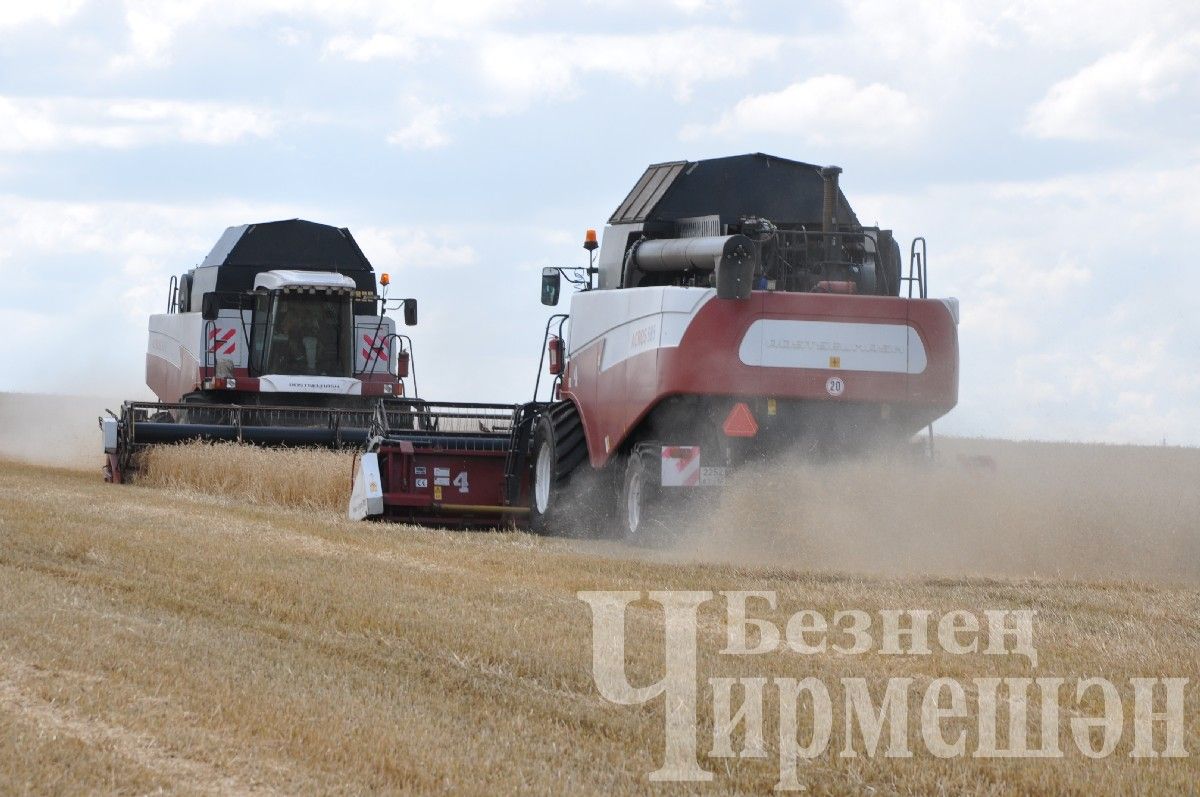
460	481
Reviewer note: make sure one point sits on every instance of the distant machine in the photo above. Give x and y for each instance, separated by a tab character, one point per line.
278	337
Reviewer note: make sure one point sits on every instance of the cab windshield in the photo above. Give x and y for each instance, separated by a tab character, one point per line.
309	335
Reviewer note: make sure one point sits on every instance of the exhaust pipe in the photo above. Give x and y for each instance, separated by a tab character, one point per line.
829	208
732	257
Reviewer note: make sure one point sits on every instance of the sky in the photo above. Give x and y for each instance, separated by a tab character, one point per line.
1048	151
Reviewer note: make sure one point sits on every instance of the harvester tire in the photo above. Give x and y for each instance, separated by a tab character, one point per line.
559	451
641	501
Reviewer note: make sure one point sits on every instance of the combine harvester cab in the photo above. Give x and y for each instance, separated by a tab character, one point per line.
278	337
742	313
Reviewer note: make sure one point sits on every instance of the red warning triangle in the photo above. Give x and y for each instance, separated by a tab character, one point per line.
740	422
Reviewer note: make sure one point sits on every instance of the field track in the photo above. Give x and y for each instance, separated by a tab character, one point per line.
163	639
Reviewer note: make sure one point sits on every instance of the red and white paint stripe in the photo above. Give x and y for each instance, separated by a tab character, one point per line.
374	346
222	341
681	466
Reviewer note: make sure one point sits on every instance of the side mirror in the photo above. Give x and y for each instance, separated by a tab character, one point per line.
410	312
551	286
209	307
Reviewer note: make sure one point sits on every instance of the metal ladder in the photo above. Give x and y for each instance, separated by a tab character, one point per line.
918	269
918	274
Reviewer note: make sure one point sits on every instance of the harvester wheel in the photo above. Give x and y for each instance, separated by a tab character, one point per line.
640	500
559	450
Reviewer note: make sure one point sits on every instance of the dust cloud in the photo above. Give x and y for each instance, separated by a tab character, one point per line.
982	507
54	430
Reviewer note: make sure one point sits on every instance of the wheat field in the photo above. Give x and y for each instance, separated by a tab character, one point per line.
297	478
203	634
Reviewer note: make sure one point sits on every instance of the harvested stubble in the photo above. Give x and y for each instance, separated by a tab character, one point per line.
170	641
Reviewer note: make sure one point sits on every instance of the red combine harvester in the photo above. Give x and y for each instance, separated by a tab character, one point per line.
738	311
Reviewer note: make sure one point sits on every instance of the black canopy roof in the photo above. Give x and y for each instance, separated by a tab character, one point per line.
294	243
781	190
245	251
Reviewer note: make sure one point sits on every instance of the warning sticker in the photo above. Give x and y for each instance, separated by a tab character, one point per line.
437	493
680	466
422	484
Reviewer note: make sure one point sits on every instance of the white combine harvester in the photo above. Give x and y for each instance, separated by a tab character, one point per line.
278	337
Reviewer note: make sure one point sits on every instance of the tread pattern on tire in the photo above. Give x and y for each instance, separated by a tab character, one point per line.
570	447
569	452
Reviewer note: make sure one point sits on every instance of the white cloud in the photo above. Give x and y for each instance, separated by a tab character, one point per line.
531	67
424	129
521	70
364	29
1118	95
152	26
693	6
49	12
291	37
370	48
60	122
1073	25
920	31
1072	293
409	247
917	35
823	110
